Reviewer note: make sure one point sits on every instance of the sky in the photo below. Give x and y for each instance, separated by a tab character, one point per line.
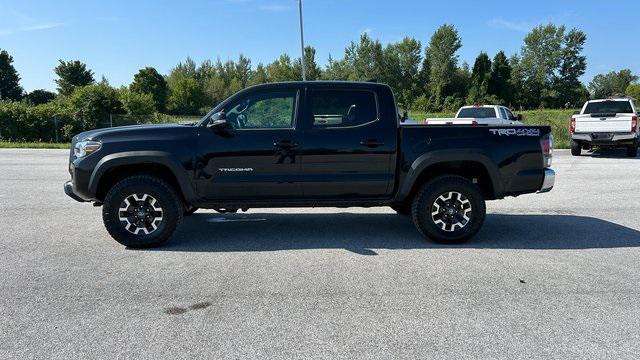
116	38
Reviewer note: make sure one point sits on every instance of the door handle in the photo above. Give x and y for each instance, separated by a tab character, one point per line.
285	144
371	143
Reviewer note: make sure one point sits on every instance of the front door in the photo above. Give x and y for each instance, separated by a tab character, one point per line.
347	148
256	159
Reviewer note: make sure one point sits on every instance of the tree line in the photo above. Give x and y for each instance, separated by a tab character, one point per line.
545	73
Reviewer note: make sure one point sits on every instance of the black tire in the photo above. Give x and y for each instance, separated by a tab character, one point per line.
576	148
188	211
424	204
166	199
632	151
404	209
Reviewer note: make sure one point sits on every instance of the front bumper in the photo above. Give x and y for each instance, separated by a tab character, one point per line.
68	189
548	181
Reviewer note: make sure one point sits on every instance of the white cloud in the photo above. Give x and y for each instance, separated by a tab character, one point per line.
520	26
275	7
38	27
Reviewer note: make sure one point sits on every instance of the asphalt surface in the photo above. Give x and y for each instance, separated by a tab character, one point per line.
549	276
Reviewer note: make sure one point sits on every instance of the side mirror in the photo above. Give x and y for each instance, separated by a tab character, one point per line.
218	122
519	117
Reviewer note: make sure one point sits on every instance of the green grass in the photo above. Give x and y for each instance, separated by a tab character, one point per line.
558	119
33	145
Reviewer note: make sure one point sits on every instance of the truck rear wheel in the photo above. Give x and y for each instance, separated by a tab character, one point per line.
632	151
448	209
141	211
576	148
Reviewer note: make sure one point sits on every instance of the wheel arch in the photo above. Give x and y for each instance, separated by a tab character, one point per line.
115	167
467	164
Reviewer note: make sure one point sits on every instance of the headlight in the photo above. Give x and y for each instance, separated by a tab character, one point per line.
84	148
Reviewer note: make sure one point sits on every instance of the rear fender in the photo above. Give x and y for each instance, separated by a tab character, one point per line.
431	158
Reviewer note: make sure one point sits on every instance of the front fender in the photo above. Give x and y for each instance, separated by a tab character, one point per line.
143	157
435	157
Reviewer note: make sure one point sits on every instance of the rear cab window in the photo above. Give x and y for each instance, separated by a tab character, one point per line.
477	113
608	107
343	108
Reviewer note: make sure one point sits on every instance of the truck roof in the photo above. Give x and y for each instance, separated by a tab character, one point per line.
478	106
322	83
625	98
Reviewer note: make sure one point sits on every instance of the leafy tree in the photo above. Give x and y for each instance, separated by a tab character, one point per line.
259	76
337	70
9	79
38	97
633	90
540	58
185	96
282	69
402	69
312	69
149	81
500	79
72	74
91	105
442	59
243	70
480	79
572	66
137	103
365	59
612	83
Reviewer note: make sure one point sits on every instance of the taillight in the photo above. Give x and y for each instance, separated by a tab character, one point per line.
572	125
634	123
546	143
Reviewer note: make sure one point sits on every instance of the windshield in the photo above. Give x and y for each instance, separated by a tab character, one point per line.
608	107
478	113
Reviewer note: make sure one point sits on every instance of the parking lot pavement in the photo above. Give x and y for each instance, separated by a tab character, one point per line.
549	276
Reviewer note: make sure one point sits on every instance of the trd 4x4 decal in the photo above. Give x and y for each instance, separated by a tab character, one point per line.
515	132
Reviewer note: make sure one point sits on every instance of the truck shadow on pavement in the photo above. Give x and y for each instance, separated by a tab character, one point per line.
608	154
364	233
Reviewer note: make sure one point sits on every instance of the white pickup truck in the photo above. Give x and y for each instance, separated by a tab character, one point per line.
609	123
480	115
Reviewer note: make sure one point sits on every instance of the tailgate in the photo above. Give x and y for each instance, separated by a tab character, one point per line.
603	123
449	121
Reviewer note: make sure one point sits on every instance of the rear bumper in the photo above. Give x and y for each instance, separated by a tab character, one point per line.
548	181
610	139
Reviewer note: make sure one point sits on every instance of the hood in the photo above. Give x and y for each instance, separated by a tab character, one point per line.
121	130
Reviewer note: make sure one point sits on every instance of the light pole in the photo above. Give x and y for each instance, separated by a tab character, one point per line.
304	68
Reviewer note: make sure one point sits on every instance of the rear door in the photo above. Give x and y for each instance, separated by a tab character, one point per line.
609	116
348	148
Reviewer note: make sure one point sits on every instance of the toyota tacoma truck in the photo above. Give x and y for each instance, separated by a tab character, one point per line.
305	144
611	123
480	115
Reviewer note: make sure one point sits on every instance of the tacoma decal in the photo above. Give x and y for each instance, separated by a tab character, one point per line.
235	169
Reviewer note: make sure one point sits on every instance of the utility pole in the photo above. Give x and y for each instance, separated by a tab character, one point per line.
304	67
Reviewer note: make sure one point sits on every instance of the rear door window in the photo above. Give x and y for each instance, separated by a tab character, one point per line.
343	108
477	113
609	107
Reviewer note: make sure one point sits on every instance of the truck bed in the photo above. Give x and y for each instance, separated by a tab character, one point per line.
511	154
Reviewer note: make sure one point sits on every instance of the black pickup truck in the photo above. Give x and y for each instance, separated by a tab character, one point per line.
305	144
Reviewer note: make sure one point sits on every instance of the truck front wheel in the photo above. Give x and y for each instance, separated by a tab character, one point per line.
141	211
448	209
